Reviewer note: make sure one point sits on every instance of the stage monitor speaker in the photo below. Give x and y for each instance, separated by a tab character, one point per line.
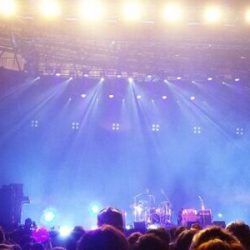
219	223
140	226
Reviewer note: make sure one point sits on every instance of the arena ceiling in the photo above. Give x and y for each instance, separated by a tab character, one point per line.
111	48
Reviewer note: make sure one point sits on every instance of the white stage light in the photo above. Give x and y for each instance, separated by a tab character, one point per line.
132	11
247	16
155	127
130	79
75	125
240	131
92	10
197	130
173	13
50	8
115	126
65	231
213	14
49	216
8	8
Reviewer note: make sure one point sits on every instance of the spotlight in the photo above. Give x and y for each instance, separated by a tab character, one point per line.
220	215
197	130
65	231
138	97
209	78
75	125
132	11
129	227
111	96
8	7
239	131
153	226
95	209
91	10
173	13
247	16
49	215
83	96
115	126
130	79
164	97
50	8
192	98
155	127
34	124
237	79
213	14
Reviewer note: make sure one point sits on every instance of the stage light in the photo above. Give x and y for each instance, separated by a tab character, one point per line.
153	226
111	96
129	227
192	98
212	14
239	131
50	8
164	97
83	96
220	215
173	13
247	16
75	125
65	231
130	79
115	126
49	216
132	11
34	124
91	10
138	97
95	209
155	127
197	130
209	78
8	8
237	79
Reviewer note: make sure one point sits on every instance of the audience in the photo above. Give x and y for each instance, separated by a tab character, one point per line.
213	233
110	235
105	237
184	239
241	231
150	241
111	216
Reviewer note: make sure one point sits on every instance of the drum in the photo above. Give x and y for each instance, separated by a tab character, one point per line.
165	212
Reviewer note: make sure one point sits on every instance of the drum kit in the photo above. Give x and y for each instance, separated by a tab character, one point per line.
146	210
